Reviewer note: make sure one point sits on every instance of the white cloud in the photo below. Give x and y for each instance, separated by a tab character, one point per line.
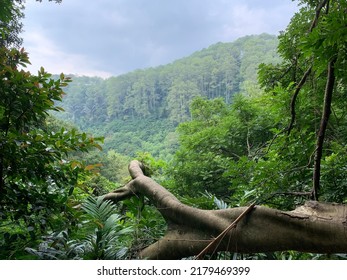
107	37
44	52
247	21
242	20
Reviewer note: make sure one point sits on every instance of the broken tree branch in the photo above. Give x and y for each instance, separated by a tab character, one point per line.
314	227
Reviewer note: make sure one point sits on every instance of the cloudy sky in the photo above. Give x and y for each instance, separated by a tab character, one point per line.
112	37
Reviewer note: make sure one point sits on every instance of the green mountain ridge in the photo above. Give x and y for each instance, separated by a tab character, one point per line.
138	111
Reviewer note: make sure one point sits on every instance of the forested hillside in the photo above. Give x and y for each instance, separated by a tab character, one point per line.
138	110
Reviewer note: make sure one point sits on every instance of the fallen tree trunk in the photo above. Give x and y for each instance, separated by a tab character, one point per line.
314	227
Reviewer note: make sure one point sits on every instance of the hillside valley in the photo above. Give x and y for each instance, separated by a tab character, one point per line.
139	111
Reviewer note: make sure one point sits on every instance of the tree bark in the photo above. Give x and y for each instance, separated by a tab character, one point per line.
314	227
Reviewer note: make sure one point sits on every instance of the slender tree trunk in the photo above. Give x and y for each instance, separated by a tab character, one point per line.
322	128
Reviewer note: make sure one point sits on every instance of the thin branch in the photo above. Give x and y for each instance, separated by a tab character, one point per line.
294	97
285	72
248	144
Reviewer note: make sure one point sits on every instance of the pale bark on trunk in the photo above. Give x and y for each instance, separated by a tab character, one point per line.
314	227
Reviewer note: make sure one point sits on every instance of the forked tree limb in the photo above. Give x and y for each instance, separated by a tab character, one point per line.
313	227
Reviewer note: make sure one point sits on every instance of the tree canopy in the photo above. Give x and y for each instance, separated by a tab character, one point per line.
166	91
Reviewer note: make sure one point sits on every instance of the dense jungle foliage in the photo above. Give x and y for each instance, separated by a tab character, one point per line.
231	124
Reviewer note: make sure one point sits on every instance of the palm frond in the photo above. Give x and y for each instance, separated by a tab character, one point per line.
98	209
